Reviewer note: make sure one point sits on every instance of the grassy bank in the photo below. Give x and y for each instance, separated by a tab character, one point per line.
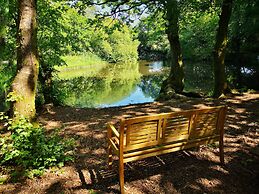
87	64
78	61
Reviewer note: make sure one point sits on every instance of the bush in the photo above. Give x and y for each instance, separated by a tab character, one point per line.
28	147
117	45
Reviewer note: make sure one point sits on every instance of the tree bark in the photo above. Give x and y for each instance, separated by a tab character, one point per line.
220	85
25	82
175	82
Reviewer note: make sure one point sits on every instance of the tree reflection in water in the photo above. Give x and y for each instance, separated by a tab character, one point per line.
123	84
111	84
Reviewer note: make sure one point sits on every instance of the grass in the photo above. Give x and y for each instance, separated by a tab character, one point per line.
84	60
87	64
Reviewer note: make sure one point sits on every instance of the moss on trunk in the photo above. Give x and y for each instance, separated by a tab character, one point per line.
220	85
175	82
25	82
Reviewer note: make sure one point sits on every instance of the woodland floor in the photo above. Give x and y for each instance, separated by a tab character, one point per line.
180	172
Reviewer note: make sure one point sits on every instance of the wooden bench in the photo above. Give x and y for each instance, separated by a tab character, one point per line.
147	136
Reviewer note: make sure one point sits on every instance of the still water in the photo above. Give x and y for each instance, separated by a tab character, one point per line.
123	84
112	85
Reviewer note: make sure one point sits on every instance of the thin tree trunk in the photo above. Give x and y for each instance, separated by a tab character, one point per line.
220	85
45	78
25	82
175	82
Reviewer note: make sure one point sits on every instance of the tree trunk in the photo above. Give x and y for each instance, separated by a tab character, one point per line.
220	85
25	82
175	82
45	78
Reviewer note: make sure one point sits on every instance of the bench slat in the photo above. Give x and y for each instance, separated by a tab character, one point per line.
137	155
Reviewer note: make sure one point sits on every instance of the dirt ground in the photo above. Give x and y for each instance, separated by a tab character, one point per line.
192	171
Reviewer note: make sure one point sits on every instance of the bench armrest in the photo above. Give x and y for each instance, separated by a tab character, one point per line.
113	130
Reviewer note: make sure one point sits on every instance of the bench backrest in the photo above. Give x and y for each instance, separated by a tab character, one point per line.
165	128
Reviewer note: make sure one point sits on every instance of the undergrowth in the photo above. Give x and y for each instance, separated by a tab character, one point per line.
29	151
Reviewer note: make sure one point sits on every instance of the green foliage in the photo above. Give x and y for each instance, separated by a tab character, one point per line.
113	43
124	49
30	148
198	30
7	72
244	27
197	22
152	36
8	16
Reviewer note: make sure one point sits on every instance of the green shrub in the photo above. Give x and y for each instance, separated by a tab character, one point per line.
28	147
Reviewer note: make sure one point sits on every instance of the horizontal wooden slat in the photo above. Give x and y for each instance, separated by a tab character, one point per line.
142	130
137	155
141	145
140	141
186	113
176	133
144	124
141	133
144	136
174	138
175	129
175	124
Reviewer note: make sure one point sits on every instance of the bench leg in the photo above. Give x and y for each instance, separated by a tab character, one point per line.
121	175
110	157
221	151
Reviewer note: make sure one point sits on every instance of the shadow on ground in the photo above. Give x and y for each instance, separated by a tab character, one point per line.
189	171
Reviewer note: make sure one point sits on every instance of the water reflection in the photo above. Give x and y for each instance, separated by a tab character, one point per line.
94	91
124	84
113	85
245	76
147	68
151	84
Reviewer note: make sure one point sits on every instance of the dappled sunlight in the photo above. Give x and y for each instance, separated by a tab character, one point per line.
99	136
53	124
240	110
219	169
209	184
187	172
234	126
99	151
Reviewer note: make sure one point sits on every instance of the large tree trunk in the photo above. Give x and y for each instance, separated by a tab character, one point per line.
220	85
25	81
175	82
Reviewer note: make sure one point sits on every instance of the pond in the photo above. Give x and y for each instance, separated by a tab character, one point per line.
124	84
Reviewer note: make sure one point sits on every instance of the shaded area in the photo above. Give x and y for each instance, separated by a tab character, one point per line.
191	171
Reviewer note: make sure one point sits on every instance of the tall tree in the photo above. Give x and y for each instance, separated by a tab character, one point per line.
175	82
25	82
220	85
